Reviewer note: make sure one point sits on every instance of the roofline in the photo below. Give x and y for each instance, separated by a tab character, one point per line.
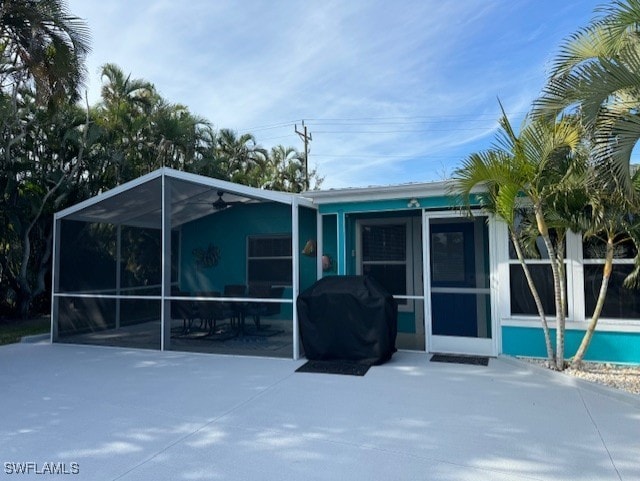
358	194
233	188
108	194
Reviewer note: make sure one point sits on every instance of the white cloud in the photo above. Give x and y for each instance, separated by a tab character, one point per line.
250	64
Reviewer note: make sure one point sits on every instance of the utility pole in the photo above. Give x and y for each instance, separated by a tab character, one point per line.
306	138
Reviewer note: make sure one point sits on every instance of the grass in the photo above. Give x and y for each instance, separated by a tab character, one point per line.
13	330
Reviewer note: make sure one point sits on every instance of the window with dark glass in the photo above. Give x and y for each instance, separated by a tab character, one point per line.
269	260
384	256
620	302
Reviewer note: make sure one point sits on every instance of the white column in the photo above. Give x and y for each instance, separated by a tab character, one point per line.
118	271
165	309
55	278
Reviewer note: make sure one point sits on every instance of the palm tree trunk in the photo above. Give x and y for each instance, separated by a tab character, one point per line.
536	298
558	287
591	328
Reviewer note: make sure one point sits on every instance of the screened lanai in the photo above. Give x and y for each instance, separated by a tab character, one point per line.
177	261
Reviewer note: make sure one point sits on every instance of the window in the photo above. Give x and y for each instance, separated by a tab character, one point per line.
384	255
269	260
620	303
539	264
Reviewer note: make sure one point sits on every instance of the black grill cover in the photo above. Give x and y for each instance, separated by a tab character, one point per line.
348	318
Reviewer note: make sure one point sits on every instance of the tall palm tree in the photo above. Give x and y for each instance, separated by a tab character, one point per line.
124	115
240	157
613	220
42	42
530	167
597	74
284	170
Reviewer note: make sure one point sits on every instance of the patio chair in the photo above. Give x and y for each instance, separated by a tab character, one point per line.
185	310
261	309
210	312
236	308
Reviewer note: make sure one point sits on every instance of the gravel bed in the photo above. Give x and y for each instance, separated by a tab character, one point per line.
623	377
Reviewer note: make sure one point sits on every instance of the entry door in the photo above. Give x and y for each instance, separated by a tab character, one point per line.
459	294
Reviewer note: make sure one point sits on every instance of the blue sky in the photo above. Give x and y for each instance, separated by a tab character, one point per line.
391	91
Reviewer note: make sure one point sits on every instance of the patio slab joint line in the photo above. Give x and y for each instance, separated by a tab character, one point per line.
584	403
196	431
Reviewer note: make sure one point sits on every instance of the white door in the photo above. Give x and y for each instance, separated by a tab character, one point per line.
458	293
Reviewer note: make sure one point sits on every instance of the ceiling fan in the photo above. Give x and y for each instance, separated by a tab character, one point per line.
221	204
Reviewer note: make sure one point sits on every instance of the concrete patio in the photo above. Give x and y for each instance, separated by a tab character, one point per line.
122	414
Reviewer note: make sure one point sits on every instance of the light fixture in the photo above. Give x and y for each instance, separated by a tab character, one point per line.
413	203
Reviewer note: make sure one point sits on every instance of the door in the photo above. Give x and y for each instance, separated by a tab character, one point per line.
390	250
458	288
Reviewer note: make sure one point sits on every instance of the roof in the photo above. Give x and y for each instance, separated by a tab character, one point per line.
139	202
358	194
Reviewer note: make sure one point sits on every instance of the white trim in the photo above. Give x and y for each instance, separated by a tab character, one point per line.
608	325
108	194
238	189
461	290
426	276
460	344
389	192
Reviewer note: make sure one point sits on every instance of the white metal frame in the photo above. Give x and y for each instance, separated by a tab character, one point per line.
295	201
453	344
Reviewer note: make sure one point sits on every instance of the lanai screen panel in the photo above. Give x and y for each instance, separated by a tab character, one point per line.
110	271
235	280
214	271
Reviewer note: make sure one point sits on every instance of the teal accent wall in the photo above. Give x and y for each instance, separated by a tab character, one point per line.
307	225
607	346
228	230
330	242
438	202
407	322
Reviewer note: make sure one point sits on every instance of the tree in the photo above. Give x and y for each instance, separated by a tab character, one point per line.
42	50
42	44
240	157
42	150
529	168
597	76
285	171
123	116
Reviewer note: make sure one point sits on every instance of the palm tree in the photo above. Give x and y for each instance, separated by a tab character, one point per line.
240	157
42	42
534	164
613	220
284	170
124	116
597	75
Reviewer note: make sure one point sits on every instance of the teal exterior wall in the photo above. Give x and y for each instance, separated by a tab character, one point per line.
228	231
622	347
330	242
307	225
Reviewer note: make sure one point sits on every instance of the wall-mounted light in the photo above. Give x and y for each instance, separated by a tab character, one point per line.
413	203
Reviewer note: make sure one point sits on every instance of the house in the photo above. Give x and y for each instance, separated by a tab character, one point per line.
184	262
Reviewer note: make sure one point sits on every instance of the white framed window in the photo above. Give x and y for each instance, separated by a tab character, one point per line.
620	303
384	252
521	303
269	260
